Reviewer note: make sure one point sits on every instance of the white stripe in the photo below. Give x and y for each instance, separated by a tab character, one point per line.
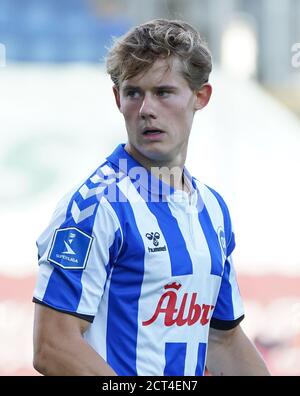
80	215
212	205
190	228
44	244
206	286
96	178
155	276
86	192
191	357
107	170
96	335
157	273
215	212
216	215
42	281
94	276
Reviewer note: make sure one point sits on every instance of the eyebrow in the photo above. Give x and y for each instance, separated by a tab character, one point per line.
165	87
129	87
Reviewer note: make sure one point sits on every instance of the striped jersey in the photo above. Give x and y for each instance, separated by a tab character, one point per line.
148	266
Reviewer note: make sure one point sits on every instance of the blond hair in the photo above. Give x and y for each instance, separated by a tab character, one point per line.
137	50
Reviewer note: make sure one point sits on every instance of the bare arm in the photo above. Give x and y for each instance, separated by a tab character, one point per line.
59	348
230	352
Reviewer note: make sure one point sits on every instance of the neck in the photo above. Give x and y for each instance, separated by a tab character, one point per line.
169	172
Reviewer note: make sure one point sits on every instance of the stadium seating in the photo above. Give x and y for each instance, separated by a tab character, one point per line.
56	31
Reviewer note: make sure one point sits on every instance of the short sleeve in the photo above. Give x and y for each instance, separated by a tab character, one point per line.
229	310
76	254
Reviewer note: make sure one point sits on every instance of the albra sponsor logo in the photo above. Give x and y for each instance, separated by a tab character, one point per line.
185	312
154	237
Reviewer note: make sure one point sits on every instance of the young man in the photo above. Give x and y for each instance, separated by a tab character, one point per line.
136	275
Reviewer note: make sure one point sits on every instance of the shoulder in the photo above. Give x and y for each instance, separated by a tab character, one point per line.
83	213
210	196
80	206
217	209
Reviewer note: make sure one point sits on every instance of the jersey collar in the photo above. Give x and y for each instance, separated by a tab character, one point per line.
140	176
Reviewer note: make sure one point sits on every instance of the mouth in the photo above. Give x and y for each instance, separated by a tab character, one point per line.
152	131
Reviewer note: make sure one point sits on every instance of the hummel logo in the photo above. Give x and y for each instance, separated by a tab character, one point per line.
154	236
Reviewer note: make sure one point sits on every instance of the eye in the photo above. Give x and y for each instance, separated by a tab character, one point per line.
162	92
132	93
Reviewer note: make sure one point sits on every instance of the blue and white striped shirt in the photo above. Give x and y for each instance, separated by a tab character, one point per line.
149	267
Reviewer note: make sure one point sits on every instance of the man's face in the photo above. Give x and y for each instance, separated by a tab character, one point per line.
158	107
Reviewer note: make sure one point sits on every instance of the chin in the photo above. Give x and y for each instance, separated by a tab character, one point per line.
158	154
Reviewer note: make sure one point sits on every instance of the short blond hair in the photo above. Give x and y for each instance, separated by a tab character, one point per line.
137	50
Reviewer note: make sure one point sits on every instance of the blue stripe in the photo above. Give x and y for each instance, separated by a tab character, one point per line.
124	294
230	241
224	305
175	353
212	241
201	359
87	224
231	245
64	287
114	249
181	263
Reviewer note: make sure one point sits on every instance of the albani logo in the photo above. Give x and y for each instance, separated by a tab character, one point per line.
154	237
175	314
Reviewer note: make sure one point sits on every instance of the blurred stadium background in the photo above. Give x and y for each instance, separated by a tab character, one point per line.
58	121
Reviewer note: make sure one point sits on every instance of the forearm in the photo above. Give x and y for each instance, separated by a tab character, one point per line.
70	357
60	347
234	356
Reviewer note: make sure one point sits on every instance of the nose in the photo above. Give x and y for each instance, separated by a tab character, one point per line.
147	109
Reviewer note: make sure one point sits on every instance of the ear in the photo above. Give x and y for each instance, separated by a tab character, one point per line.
203	96
117	96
